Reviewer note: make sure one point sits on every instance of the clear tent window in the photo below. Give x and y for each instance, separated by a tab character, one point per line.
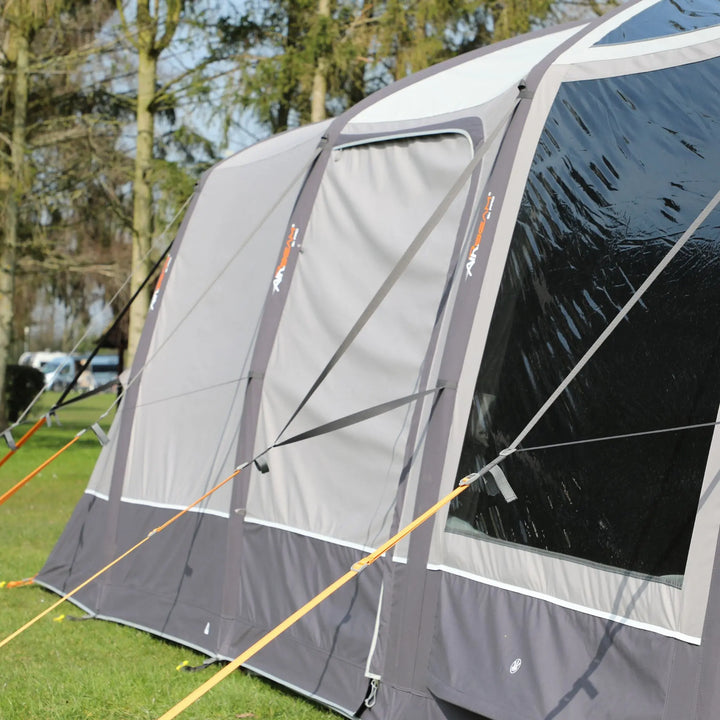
585	239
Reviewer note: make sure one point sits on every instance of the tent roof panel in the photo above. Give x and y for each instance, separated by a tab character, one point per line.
466	84
276	145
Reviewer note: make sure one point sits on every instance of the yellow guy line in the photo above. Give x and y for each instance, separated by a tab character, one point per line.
24	439
305	609
162	527
7	495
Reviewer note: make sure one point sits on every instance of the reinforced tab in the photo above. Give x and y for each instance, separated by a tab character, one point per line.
100	434
10	440
499	484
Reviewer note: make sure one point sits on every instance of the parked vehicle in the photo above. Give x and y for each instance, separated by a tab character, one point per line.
39	358
105	368
59	372
59	369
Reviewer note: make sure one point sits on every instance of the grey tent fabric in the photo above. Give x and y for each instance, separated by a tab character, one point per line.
538	184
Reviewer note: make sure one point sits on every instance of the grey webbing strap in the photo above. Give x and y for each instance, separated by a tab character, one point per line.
10	440
502	484
360	416
479	152
197	668
100	434
674	250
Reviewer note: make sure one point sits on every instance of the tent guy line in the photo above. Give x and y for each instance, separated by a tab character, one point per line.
28	434
620	436
354	571
320	430
9	493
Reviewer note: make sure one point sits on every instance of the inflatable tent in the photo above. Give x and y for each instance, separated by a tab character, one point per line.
505	267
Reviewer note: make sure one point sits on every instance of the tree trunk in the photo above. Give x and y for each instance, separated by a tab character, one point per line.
356	86
149	46
9	245
320	83
142	195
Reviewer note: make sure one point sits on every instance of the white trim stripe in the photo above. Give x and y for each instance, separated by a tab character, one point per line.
589	39
662	46
161	506
569	605
307	533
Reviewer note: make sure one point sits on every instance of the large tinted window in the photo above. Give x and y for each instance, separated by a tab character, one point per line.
667	17
623	167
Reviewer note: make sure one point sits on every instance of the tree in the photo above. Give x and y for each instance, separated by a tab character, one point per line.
50	127
304	59
150	35
301	60
275	61
167	164
21	20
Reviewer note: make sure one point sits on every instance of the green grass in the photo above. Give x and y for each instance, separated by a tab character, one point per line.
66	670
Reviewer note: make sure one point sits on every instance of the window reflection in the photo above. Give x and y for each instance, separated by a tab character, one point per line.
667	17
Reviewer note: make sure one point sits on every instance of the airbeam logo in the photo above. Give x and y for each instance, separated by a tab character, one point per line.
159	284
289	245
472	255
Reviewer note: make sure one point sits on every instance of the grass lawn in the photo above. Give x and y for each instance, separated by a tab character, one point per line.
66	670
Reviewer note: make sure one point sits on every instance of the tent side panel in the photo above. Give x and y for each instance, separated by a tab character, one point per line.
579	250
528	662
75	557
193	384
581	665
155	596
323	655
177	432
373	201
353	238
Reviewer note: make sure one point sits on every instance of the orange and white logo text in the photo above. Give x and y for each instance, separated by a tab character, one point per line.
472	255
159	283
289	244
